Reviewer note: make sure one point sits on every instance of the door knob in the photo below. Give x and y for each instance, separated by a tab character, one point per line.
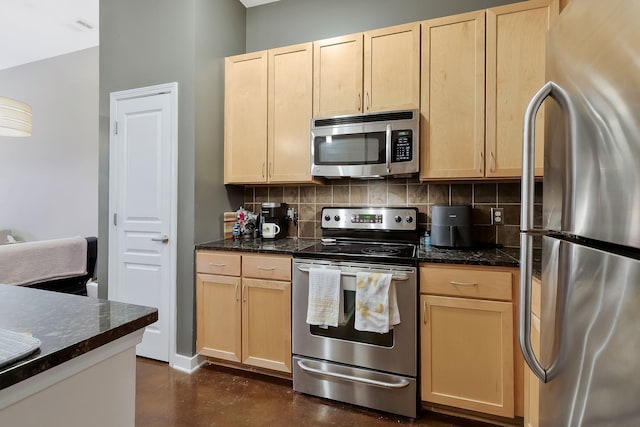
164	239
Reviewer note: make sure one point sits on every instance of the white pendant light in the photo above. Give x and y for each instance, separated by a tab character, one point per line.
15	117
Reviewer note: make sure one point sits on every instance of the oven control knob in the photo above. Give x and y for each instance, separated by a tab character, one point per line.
397	218
337	217
327	218
409	219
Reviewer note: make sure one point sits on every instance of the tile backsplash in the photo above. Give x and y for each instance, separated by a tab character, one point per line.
308	202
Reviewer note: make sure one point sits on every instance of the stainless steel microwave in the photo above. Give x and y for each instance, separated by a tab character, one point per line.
369	145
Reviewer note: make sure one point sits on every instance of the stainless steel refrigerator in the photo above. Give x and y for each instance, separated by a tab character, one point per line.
589	363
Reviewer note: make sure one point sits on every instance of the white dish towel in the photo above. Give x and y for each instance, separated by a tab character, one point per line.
324	297
376	302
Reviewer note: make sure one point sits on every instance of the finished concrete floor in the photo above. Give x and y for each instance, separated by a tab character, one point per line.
216	396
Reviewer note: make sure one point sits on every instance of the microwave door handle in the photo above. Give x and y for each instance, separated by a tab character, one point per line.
388	149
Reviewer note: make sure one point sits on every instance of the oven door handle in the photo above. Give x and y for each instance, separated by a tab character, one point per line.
400	384
343	273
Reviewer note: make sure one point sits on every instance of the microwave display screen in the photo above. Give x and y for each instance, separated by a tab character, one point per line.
352	149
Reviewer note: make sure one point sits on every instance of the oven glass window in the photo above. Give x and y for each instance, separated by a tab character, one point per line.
353	149
346	330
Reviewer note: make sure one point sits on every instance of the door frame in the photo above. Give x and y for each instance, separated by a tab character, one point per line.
114	97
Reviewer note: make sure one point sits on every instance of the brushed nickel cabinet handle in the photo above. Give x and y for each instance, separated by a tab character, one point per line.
236	292
481	162
456	283
368	102
492	162
244	292
263	169
265	268
424	312
213	264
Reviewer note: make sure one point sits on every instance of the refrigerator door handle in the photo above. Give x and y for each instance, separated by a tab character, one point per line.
528	146
550	89
524	318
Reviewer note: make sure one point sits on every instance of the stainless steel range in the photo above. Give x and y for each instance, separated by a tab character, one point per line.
374	369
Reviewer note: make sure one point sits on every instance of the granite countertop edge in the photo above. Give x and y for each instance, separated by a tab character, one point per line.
51	353
496	257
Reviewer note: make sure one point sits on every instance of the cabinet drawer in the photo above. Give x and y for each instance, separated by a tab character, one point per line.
266	267
226	264
466	282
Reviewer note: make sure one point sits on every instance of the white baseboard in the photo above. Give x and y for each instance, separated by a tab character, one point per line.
187	364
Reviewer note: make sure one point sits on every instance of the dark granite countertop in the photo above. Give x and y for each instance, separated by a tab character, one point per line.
503	257
287	246
67	325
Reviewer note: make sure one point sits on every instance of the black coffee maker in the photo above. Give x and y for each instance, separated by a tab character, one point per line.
276	214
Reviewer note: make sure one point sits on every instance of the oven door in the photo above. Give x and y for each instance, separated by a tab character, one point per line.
394	352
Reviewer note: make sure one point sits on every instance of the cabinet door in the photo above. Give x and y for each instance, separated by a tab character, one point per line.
218	311
452	127
467	354
290	105
266	324
245	118
337	76
516	52
392	68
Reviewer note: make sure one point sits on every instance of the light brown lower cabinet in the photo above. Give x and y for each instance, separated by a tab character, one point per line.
245	318
531	382
467	338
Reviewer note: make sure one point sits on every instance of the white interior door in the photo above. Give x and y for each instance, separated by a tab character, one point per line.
142	192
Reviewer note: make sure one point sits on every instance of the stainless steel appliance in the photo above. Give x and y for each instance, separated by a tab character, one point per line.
365	146
376	370
451	226
590	336
275	213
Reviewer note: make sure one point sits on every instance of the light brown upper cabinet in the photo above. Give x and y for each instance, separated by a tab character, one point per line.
268	104
452	120
479	71
516	52
245	118
377	70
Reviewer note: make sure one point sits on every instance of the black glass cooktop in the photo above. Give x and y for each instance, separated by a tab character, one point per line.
362	251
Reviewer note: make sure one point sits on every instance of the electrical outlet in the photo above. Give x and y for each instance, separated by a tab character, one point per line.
497	216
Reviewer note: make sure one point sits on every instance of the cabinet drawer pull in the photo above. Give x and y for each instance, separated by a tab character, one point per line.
265	268
481	170
453	282
236	290
213	264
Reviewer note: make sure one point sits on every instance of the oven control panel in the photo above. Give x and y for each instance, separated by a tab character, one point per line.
382	218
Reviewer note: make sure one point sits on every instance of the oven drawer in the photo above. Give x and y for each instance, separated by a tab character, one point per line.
266	267
225	264
468	282
364	387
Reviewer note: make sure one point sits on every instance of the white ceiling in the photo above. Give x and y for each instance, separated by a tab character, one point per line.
251	3
31	30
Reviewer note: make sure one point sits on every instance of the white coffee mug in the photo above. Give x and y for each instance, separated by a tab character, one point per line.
270	230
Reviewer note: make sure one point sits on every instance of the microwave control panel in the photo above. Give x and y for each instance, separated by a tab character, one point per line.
401	146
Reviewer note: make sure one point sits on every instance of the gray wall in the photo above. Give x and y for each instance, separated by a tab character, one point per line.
48	181
296	21
149	42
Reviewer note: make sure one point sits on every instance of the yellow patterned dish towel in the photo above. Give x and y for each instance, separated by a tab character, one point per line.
376	303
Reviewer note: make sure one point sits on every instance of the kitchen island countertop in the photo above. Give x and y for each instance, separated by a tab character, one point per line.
68	326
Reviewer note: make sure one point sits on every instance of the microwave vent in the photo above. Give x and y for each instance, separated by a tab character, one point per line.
365	118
